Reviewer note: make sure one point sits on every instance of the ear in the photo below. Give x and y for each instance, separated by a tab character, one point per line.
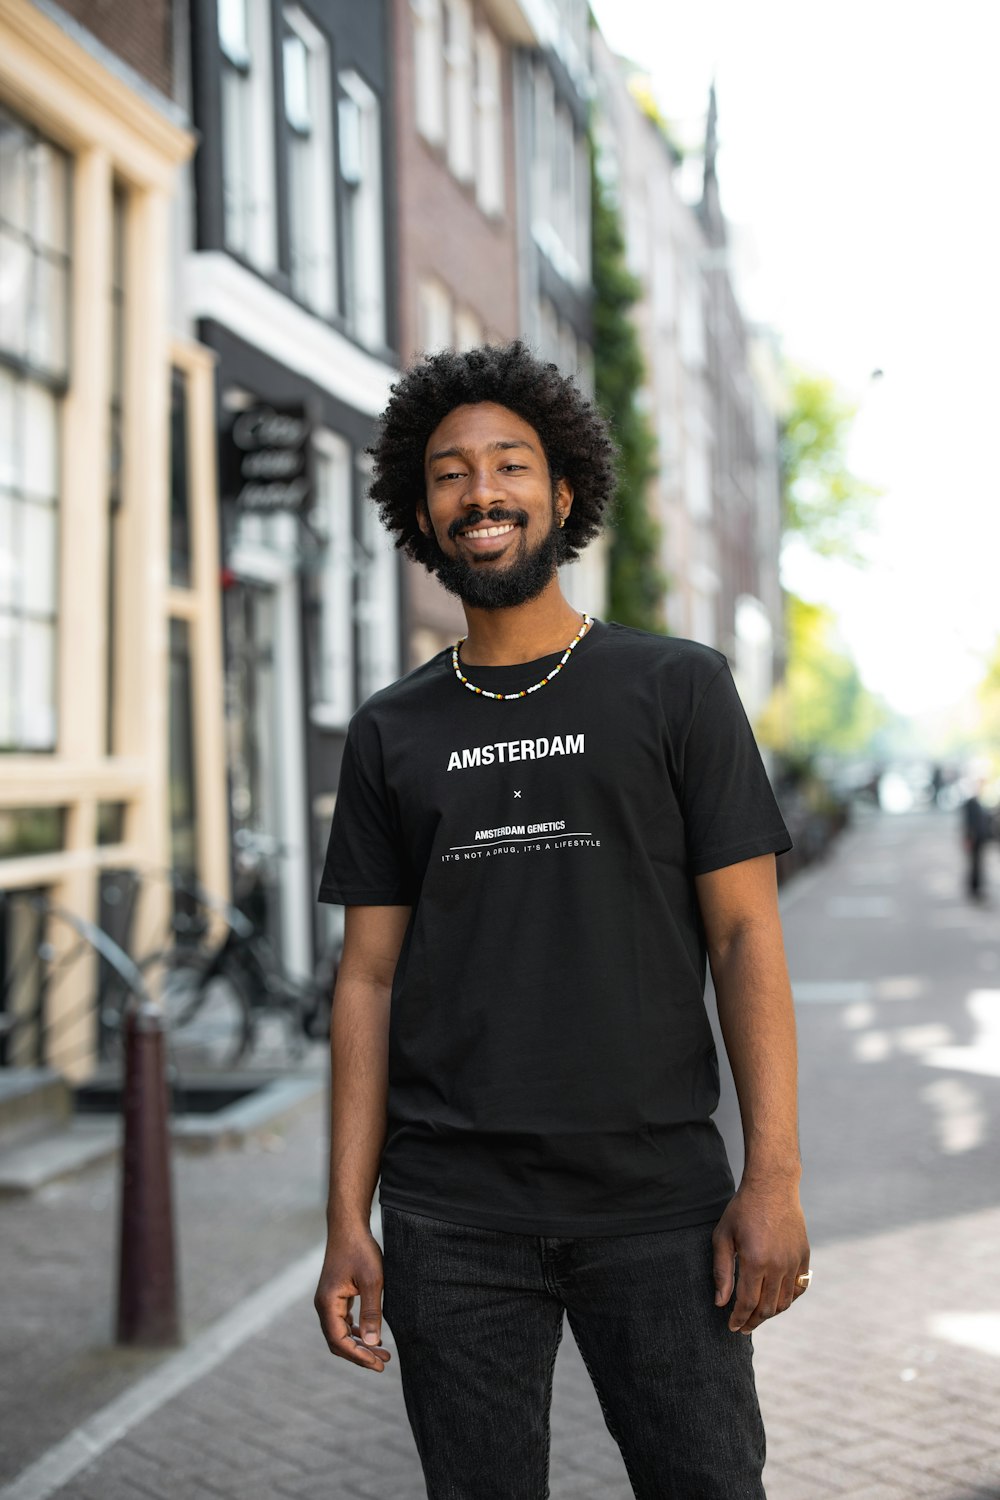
423	519
564	497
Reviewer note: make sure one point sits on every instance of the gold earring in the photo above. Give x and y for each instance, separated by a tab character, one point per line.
562	522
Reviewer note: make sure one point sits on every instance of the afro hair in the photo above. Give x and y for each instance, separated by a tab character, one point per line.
575	437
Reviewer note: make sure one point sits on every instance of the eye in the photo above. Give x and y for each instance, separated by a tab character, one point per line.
514	466
453	474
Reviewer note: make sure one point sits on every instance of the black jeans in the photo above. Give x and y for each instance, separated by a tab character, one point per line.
477	1316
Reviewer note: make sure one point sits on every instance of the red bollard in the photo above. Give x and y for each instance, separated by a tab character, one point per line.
147	1281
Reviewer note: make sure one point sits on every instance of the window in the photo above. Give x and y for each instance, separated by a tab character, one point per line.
183	811
434	315
377	607
543	111
308	113
428	46
361	173
247	130
180	500
34	251
560	183
116	428
567	349
581	207
34	320
332	644
458	69
489	123
468	329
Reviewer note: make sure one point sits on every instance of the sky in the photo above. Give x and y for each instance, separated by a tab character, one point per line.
858	165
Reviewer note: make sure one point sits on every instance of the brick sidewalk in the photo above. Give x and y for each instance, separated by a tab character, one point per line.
861	1400
883	1384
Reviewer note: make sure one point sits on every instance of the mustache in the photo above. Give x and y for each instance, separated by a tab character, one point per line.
493	517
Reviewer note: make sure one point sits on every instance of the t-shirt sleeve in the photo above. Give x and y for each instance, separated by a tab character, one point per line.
730	813
365	864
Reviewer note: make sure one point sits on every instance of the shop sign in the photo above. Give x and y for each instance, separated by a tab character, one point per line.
269	460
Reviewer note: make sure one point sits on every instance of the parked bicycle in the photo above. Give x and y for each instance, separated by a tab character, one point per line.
218	976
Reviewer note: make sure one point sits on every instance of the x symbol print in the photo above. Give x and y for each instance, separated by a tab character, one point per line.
517	794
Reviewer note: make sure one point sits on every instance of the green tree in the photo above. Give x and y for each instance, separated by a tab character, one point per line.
826	505
988	695
821	704
637	585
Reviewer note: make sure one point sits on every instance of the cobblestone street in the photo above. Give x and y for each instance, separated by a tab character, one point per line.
882	1384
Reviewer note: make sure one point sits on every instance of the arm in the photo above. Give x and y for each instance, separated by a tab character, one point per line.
763	1225
359	1045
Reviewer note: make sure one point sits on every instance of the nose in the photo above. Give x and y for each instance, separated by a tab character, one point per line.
483	488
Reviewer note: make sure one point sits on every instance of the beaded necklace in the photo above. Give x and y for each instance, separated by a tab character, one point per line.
485	693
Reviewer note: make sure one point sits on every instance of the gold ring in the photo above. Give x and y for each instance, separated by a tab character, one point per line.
803	1281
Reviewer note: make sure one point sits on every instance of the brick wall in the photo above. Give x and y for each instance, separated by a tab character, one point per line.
442	232
139	31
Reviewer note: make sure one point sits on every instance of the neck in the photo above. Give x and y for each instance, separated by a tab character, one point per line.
504	637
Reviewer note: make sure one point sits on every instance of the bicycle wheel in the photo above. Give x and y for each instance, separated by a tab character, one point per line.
208	1018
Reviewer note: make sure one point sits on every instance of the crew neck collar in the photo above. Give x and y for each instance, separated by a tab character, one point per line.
522	673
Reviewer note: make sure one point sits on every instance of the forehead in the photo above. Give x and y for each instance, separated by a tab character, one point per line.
477	425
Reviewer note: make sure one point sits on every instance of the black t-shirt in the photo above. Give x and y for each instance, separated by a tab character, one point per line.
551	1064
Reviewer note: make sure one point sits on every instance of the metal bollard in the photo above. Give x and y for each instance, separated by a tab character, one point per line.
147	1280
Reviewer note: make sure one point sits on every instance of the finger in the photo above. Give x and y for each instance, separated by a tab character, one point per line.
768	1300
370	1317
335	1321
723	1266
348	1346
786	1293
749	1286
381	1350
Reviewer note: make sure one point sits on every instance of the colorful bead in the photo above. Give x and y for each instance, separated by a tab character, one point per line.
522	692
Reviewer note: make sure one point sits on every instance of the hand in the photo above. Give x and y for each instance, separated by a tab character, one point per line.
352	1268
764	1227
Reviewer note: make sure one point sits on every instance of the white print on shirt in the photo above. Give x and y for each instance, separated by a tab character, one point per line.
513	828
521	838
508	750
519	846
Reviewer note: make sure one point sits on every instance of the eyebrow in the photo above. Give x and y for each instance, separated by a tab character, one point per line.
499	447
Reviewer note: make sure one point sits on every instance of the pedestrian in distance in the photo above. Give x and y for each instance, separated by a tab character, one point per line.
977	830
539	837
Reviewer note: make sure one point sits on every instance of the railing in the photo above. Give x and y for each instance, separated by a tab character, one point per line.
49	948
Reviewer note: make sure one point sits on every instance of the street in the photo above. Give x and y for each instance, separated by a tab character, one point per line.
883	1382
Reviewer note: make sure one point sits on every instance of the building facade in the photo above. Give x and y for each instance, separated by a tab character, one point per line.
91	149
494	209
711	389
457	222
666	252
746	497
289	282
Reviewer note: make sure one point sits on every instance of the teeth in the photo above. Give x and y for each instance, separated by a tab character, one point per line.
489	530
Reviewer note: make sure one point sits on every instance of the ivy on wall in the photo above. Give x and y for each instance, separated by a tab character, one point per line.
636	586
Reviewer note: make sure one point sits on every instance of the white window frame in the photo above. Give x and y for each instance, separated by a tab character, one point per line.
428	69
310	181
361	171
377	610
434	315
461	139
489	123
469	332
335	637
248	134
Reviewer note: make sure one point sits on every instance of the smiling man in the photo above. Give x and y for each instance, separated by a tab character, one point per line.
540	837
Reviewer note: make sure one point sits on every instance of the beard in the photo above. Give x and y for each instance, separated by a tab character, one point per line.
486	586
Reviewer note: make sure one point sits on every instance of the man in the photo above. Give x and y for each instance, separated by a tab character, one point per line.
977	828
537	836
